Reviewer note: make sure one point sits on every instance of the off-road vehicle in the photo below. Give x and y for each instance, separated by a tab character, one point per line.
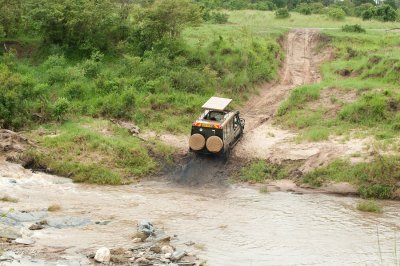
217	129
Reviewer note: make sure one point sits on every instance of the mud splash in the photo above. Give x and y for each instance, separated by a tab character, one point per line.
235	226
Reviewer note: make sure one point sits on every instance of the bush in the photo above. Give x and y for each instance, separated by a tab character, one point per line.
368	13
376	191
60	108
353	28
317	8
218	17
335	13
282	13
77	24
369	206
304	9
386	13
359	10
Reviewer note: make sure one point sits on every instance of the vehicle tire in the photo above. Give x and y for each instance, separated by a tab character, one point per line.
214	144
197	142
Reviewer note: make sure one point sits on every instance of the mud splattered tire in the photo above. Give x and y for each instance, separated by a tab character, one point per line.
214	144
197	142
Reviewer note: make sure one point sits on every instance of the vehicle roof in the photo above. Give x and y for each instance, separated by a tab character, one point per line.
217	103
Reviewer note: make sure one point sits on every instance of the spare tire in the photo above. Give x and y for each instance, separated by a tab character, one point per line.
197	142
214	144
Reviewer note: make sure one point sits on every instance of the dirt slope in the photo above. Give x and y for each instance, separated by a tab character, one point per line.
263	139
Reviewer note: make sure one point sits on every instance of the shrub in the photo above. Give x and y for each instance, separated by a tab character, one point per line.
376	191
336	13
368	14
353	28
60	108
282	13
219	17
304	9
359	10
317	8
78	24
369	206
386	13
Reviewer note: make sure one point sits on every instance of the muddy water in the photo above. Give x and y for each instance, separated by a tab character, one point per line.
230	226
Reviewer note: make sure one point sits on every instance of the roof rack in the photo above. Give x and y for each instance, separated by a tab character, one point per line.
217	103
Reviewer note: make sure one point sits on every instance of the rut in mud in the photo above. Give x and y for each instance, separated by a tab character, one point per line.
262	138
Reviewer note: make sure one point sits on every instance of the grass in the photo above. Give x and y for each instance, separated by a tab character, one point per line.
92	151
369	206
377	179
9	199
264	23
365	99
258	171
54	208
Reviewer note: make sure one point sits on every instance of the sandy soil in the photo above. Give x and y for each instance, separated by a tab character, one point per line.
265	140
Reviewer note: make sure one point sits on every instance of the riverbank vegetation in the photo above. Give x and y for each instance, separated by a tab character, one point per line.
369	206
68	67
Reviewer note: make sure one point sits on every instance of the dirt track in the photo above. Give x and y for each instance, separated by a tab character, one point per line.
265	140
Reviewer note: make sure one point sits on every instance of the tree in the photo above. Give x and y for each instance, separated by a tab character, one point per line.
386	13
368	14
10	17
282	13
165	19
336	13
83	24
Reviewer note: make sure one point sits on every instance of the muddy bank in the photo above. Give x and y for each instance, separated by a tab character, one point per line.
234	225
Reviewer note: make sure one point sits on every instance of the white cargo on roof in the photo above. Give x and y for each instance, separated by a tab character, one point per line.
217	103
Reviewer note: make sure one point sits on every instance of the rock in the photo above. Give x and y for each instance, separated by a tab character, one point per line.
102	255
167	249
162	238
137	240
177	255
27	216
167	255
155	249
25	241
145	227
140	235
6	221
25	232
142	261
102	222
64	222
9	232
189	243
36	227
13	181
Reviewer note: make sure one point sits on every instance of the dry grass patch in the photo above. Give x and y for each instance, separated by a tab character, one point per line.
54	208
8	199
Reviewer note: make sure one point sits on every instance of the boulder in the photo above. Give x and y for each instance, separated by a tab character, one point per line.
36	227
167	249
145	227
9	232
102	255
25	241
177	255
69	221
